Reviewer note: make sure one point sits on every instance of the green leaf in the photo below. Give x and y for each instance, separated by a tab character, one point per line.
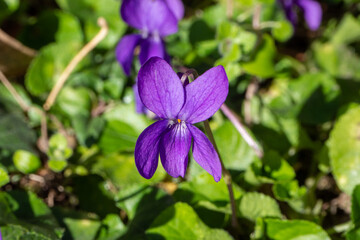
84	229
255	205
57	165
263	63
204	188
142	204
4	177
90	10
47	66
288	190
118	136
181	222
276	167
15	133
137	121
90	190
50	26
122	172
344	150
13	232
294	230
74	101
282	31
26	162
234	151
348	30
25	209
58	152
355	206
338	60
112	228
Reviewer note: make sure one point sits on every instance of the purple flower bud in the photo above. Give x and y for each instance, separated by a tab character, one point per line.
154	19
311	9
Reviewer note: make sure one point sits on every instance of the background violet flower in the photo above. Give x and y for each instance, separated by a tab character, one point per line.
155	19
178	108
312	12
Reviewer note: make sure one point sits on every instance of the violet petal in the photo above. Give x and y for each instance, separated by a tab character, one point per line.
151	48
160	89
205	95
312	13
205	154
147	148
125	51
177	8
139	106
290	11
174	149
150	16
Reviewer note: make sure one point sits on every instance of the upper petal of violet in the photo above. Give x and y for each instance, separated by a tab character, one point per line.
205	154
125	51
150	16
174	149
205	95
147	148
160	88
312	13
177	7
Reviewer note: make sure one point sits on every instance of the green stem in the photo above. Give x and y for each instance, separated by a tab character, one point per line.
227	178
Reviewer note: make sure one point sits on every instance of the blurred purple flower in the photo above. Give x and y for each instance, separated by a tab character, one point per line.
178	108
311	9
155	19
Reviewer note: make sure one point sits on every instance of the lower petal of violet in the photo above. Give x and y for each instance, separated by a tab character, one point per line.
205	154
174	149
125	51
147	148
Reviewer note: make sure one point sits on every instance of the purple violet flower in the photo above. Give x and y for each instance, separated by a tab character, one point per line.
312	12
155	19
178	108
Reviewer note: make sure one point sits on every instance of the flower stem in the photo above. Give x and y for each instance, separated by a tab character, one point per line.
227	178
24	106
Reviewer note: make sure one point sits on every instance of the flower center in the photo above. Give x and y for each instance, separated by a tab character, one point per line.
179	121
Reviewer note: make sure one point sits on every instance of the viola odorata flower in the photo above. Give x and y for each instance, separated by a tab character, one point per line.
178	107
154	19
311	9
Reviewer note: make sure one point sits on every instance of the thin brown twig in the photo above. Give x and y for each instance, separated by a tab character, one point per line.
229	8
24	106
235	120
75	61
250	92
256	17
10	41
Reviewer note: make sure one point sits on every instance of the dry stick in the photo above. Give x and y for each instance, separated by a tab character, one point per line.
74	62
250	92
229	8
241	129
24	106
227	178
256	17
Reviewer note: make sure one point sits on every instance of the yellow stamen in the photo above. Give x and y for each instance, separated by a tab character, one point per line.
179	121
